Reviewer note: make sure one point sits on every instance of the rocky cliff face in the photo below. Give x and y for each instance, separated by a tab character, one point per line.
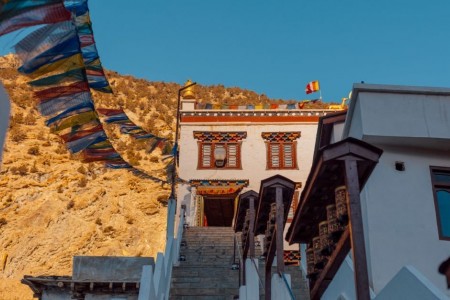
53	207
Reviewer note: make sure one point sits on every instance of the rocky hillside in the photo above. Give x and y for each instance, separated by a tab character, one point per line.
53	207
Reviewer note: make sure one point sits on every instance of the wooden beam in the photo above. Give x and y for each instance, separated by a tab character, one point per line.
331	268
357	231
268	284
251	230
279	229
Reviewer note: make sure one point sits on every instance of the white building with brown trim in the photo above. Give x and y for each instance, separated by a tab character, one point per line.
255	144
391	152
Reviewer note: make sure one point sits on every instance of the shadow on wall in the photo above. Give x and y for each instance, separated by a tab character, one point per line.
5	108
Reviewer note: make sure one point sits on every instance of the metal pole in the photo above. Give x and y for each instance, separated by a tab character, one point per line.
175	154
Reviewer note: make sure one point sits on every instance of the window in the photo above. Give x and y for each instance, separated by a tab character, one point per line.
440	178
281	149
207	160
208	142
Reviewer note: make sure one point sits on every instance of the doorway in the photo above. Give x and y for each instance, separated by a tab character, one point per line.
219	211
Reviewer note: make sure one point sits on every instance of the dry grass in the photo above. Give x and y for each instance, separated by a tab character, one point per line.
12	289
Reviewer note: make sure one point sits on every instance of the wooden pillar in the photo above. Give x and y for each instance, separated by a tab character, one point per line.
268	284
357	231
251	229
279	229
277	248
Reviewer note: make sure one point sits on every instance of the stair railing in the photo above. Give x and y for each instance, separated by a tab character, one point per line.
257	272
240	258
236	242
287	285
155	282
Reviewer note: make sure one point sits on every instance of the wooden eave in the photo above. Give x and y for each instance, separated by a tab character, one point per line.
326	174
79	287
243	205
325	128
267	197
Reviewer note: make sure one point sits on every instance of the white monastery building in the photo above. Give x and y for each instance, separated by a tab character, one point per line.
388	157
255	143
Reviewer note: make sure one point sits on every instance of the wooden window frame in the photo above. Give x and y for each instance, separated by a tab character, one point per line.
212	166
281	151
439	185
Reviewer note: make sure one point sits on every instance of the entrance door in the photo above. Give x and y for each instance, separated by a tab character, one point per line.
219	211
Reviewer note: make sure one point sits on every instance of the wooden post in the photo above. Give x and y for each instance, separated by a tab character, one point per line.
268	284
251	229
250	238
357	231
280	229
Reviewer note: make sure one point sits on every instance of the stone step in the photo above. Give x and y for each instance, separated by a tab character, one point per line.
207	284
196	280
202	271
223	292
206	274
203	297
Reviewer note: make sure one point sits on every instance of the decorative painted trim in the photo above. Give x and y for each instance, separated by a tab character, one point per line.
219	182
291	257
254	118
220	136
280	136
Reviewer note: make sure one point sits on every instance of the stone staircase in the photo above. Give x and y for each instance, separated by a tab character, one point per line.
206	273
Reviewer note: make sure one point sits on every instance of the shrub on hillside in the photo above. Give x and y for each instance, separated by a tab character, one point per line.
17	135
70	205
30	119
34	150
21	170
82	170
82	182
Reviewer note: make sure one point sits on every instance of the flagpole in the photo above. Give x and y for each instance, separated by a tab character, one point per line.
320	94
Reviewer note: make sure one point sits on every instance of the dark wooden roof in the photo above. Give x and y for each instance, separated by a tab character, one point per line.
325	128
326	174
77	289
243	205
267	197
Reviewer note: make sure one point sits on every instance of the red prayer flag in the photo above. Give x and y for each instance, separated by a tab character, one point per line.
47	14
312	87
59	91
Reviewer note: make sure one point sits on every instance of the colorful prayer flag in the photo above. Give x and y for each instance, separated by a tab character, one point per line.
34	15
312	87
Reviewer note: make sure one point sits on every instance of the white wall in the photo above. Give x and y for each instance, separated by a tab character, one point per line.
253	153
342	283
5	107
253	158
401	118
400	218
410	284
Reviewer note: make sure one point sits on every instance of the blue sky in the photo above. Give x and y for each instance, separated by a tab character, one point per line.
276	47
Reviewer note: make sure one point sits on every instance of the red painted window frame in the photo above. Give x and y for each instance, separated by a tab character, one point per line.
282	161
200	165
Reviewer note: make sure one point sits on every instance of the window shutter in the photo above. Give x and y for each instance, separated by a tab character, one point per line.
288	159
275	155
206	155
232	155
